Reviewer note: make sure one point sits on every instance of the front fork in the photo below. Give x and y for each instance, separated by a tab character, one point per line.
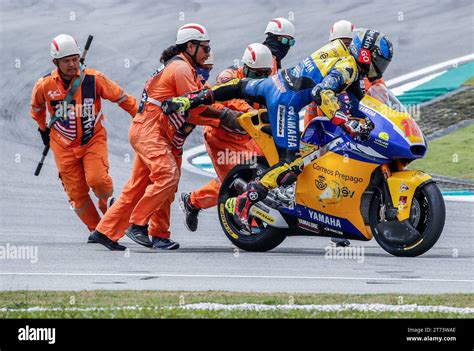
389	211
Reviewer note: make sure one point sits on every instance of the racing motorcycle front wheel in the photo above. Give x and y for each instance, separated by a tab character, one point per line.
427	216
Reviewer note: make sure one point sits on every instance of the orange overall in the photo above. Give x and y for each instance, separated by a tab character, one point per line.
157	140
78	139
225	147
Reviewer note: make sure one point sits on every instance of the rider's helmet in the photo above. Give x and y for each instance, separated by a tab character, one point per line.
373	52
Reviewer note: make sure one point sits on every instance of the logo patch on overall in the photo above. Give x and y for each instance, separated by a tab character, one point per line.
54	94
281	121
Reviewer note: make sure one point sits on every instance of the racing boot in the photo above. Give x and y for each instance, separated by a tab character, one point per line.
239	206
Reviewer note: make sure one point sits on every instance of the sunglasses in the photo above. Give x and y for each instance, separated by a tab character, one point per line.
205	48
287	41
257	73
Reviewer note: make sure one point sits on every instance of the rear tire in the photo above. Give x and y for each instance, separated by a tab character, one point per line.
265	237
427	215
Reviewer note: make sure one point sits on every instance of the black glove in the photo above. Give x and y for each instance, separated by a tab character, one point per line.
364	131
45	135
229	119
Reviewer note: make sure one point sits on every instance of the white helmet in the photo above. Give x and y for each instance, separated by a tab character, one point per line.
64	45
210	59
280	26
191	31
340	30
258	56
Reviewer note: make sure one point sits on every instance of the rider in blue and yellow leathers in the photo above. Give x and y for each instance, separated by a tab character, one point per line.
321	77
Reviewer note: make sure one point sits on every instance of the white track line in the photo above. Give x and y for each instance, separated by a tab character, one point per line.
459	198
230	276
206	306
430	69
413	84
188	155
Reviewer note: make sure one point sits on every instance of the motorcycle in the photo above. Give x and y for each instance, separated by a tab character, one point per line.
349	188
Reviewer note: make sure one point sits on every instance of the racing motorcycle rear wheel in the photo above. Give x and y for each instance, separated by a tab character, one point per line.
262	237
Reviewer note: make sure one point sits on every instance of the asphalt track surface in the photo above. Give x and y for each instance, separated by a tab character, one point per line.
34	211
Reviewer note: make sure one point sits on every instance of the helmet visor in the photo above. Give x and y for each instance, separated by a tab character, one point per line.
377	67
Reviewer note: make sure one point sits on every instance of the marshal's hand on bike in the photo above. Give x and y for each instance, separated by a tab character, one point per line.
229	119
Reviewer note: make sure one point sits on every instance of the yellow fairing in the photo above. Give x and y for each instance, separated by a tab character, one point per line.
334	184
401	120
263	140
331	184
402	186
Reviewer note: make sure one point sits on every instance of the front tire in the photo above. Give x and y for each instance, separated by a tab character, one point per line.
263	237
427	215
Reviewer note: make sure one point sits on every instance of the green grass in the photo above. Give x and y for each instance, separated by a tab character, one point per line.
450	155
469	82
157	304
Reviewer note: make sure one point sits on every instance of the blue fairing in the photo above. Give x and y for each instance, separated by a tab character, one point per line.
375	150
322	219
397	146
321	132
